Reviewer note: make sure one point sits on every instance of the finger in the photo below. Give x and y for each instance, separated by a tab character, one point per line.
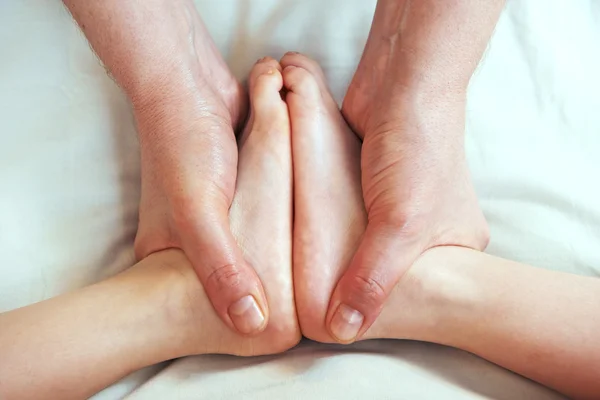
232	285
383	256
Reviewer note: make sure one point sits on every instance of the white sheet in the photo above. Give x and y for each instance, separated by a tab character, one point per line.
69	178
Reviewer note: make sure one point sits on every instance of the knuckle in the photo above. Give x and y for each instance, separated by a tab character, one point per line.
403	223
398	219
189	214
224	277
367	291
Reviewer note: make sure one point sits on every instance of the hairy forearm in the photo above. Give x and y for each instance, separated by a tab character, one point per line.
539	323
146	45
433	44
71	346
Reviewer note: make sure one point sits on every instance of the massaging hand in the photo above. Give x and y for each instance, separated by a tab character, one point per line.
407	102
189	163
417	193
186	104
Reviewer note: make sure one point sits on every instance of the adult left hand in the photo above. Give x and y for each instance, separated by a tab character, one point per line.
407	101
418	194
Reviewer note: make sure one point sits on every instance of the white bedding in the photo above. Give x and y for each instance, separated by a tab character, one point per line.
69	179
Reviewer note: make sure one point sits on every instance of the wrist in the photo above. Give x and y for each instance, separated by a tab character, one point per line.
422	48
426	91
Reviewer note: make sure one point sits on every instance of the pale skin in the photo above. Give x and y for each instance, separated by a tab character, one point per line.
158	309
538	323
80	342
416	189
407	101
187	106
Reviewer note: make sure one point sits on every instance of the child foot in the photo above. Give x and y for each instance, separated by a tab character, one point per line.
261	220
329	214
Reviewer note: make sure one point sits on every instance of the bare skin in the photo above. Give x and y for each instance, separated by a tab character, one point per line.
451	295
187	105
407	102
158	309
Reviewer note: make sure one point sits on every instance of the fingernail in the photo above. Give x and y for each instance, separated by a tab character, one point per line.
246	315
346	323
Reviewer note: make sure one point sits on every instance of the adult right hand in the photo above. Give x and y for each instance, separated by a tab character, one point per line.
186	116
186	104
189	168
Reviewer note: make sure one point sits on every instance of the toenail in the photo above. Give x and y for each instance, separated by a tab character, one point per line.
346	323
271	71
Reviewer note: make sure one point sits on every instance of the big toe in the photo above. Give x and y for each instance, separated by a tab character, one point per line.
261	212
304	77
265	149
268	111
329	215
309	70
265	85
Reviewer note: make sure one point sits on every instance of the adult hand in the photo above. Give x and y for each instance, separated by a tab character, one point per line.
186	105
407	102
418	195
189	168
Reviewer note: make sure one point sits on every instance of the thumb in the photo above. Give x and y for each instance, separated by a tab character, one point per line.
382	258
231	284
